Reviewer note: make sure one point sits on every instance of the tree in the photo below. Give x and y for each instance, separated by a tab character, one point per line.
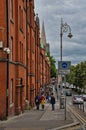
71	76
78	75
53	70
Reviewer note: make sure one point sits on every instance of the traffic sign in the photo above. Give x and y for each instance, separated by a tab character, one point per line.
64	67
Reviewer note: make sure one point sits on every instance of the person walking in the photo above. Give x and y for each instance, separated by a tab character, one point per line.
37	101
42	101
52	101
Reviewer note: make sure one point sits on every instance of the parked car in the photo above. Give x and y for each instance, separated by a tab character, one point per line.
77	99
84	97
68	92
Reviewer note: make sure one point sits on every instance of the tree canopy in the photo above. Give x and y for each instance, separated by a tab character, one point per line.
78	75
53	70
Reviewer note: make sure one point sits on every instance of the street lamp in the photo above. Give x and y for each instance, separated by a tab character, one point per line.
64	28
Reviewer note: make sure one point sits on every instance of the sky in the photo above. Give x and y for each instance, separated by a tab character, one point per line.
72	12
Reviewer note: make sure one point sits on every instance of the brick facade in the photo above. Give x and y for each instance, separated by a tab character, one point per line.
20	70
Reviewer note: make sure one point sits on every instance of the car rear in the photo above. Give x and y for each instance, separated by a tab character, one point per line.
84	97
68	92
77	99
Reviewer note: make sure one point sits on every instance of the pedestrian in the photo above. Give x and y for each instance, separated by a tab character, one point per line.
37	101
42	101
49	98
52	101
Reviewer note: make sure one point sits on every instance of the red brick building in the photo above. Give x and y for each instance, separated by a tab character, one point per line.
31	53
13	64
44	60
20	56
37	55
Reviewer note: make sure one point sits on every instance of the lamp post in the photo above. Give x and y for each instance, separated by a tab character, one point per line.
64	28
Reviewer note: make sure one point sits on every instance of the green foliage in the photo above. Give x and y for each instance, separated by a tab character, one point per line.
71	76
53	70
78	75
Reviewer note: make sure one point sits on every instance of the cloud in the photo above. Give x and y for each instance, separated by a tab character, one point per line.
74	13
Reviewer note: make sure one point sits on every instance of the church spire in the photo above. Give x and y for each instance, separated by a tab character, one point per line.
43	36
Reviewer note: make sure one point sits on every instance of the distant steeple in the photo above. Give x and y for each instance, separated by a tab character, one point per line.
43	36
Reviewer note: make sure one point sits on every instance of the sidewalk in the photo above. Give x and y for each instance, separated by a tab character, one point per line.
49	120
59	116
42	120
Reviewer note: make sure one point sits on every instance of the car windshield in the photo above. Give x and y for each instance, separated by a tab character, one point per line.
78	96
84	95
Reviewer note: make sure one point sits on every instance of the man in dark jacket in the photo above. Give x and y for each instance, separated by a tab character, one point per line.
52	101
37	101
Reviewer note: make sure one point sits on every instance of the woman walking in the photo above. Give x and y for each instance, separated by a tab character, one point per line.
42	101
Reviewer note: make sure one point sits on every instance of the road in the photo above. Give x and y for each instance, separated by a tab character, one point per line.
69	101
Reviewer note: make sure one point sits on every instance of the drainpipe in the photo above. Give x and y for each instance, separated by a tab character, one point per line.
7	60
26	50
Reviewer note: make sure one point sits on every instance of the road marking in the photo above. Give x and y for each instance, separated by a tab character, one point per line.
80	118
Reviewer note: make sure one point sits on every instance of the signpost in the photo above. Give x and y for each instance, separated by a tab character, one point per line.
64	69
